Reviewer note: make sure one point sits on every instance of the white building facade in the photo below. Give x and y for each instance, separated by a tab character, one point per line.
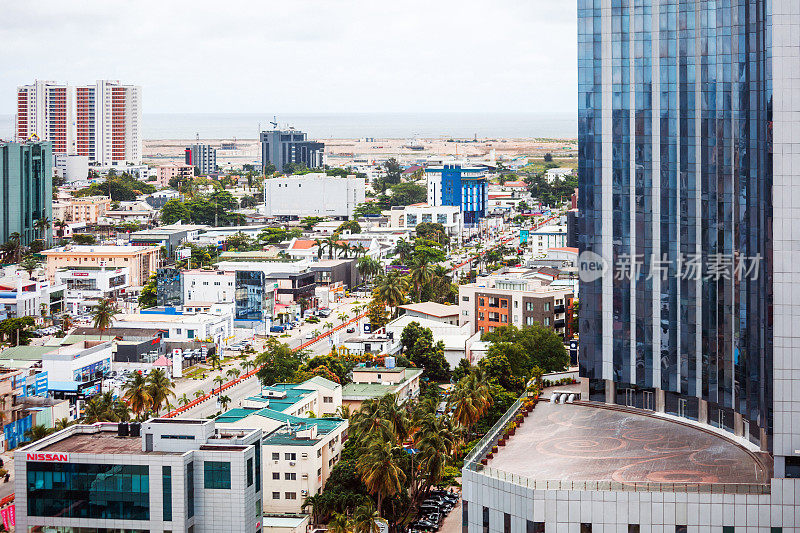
313	194
179	475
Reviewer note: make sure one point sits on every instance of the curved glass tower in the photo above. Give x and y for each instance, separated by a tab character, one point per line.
676	176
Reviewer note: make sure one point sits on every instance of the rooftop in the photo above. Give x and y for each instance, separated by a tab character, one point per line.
99	249
432	309
589	443
102	442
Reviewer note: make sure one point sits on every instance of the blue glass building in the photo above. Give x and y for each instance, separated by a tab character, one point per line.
676	164
459	185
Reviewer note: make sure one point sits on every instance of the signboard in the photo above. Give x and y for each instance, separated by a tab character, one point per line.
80	274
47	457
523	236
183	253
177	364
9	517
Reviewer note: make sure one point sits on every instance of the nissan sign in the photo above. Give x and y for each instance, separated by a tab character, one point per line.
48	457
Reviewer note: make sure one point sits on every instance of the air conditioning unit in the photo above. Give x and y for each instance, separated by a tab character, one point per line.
304	456
304	476
292	463
304	492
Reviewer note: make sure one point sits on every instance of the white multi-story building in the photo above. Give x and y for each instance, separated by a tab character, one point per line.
101	121
177	326
165	475
85	284
314	194
407	217
80	362
208	286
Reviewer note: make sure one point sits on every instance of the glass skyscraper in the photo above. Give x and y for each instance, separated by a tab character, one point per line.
677	197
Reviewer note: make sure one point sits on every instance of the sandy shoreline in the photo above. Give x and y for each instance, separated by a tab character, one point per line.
344	150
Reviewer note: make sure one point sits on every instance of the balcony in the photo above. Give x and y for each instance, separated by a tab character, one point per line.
559	308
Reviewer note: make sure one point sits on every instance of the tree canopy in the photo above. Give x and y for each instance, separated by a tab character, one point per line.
120	188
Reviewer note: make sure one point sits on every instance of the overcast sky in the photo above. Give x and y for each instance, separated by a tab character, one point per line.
295	56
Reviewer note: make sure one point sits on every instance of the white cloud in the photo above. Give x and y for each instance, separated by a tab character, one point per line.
302	55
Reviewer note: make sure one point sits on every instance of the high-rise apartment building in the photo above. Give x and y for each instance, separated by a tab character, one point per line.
202	156
26	189
101	121
686	417
280	147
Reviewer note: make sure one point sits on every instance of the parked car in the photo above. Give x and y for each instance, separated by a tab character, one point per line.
309	336
277	329
351	330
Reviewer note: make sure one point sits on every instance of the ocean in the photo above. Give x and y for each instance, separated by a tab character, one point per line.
352	125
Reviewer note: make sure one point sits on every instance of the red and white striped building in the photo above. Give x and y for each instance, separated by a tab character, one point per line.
101	121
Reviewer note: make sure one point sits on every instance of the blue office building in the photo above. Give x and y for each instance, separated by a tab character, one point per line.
459	185
26	190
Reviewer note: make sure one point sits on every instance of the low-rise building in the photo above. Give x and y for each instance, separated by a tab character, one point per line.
407	217
173	170
170	237
162	475
179	326
314	194
541	240
208	286
370	383
500	300
86	209
141	261
433	311
21	297
86	285
457	339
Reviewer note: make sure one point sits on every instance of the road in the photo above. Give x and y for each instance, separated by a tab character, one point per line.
241	388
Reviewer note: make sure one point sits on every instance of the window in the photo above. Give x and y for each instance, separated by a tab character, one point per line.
327	399
546	321
217	474
516	304
290	495
178	437
792	467
276	475
480	302
464	516
485	520
681	529
258	470
289	476
534	527
166	491
546	306
319	471
633	528
465	298
190	333
249	472
290	456
506	523
276	495
190	489
586	527
276	456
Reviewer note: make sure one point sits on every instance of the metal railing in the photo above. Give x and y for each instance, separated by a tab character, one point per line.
473	463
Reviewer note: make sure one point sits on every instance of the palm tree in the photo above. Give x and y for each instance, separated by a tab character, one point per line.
470	399
365	518
37	432
369	267
246	366
223	402
214	359
343	412
219	380
199	392
66	322
391	288
320	244
379	470
342	317
435	440
327	325
318	507
233	373
62	423
330	244
42	224
12	248
316	333
404	249
183	400
60	224
160	388
29	264
103	315
421	274
136	392
340	523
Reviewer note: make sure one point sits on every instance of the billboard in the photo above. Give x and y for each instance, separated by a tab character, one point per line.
169	291
523	236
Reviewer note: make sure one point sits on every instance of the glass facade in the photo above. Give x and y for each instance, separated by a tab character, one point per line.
169	287
250	300
216	474
190	489
680	91
69	490
166	490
